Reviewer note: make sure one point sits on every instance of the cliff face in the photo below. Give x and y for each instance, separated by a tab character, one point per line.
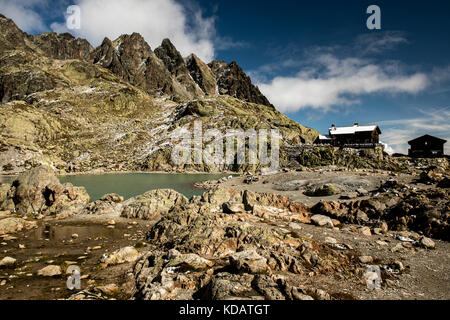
120	106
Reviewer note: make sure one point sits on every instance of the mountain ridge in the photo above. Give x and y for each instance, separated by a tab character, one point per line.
121	109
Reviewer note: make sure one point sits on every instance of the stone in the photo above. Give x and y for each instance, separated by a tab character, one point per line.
109	289
330	240
365	231
7	262
349	196
366	259
111	204
123	255
249	261
233	207
152	205
362	192
50	271
322	191
427	243
322	221
190	261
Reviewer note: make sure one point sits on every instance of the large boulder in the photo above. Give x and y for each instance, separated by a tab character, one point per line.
12	225
39	192
108	204
152	205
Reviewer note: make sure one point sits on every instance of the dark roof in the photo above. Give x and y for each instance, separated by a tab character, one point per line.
427	137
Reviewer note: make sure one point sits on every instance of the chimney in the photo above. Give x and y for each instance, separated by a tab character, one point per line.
356	124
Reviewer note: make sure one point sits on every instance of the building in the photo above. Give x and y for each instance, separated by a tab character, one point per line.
355	136
321	139
426	147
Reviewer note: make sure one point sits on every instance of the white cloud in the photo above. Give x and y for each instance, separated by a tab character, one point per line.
154	20
330	81
23	13
397	133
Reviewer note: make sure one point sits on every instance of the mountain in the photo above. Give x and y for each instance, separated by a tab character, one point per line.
120	106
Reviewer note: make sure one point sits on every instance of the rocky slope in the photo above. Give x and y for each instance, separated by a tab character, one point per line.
120	106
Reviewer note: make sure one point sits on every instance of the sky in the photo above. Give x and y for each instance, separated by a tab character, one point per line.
316	61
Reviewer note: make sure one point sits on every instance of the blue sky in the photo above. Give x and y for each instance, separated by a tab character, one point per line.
315	60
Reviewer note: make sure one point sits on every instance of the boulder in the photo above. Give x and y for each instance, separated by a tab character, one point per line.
152	205
249	261
322	221
12	225
50	271
123	255
322	191
7	262
108	204
427	243
38	191
233	207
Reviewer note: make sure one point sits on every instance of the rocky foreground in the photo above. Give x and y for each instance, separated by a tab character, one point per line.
233	244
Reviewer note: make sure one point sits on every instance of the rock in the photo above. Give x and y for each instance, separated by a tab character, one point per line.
50	271
12	225
109	289
444	183
108	204
322	191
366	259
39	192
362	192
7	262
190	261
361	216
349	196
123	255
398	265
365	231
249	261
322	221
427	243
233	207
152	205
330	240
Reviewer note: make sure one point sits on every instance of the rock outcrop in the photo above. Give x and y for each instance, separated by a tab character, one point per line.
206	253
202	74
63	46
174	62
152	205
39	192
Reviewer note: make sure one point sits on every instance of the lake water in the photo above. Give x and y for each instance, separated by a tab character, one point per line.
131	184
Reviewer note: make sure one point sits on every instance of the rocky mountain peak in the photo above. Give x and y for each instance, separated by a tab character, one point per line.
233	81
174	62
11	37
201	74
63	46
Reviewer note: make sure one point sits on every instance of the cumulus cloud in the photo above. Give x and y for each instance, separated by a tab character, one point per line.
329	81
24	14
154	20
397	133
